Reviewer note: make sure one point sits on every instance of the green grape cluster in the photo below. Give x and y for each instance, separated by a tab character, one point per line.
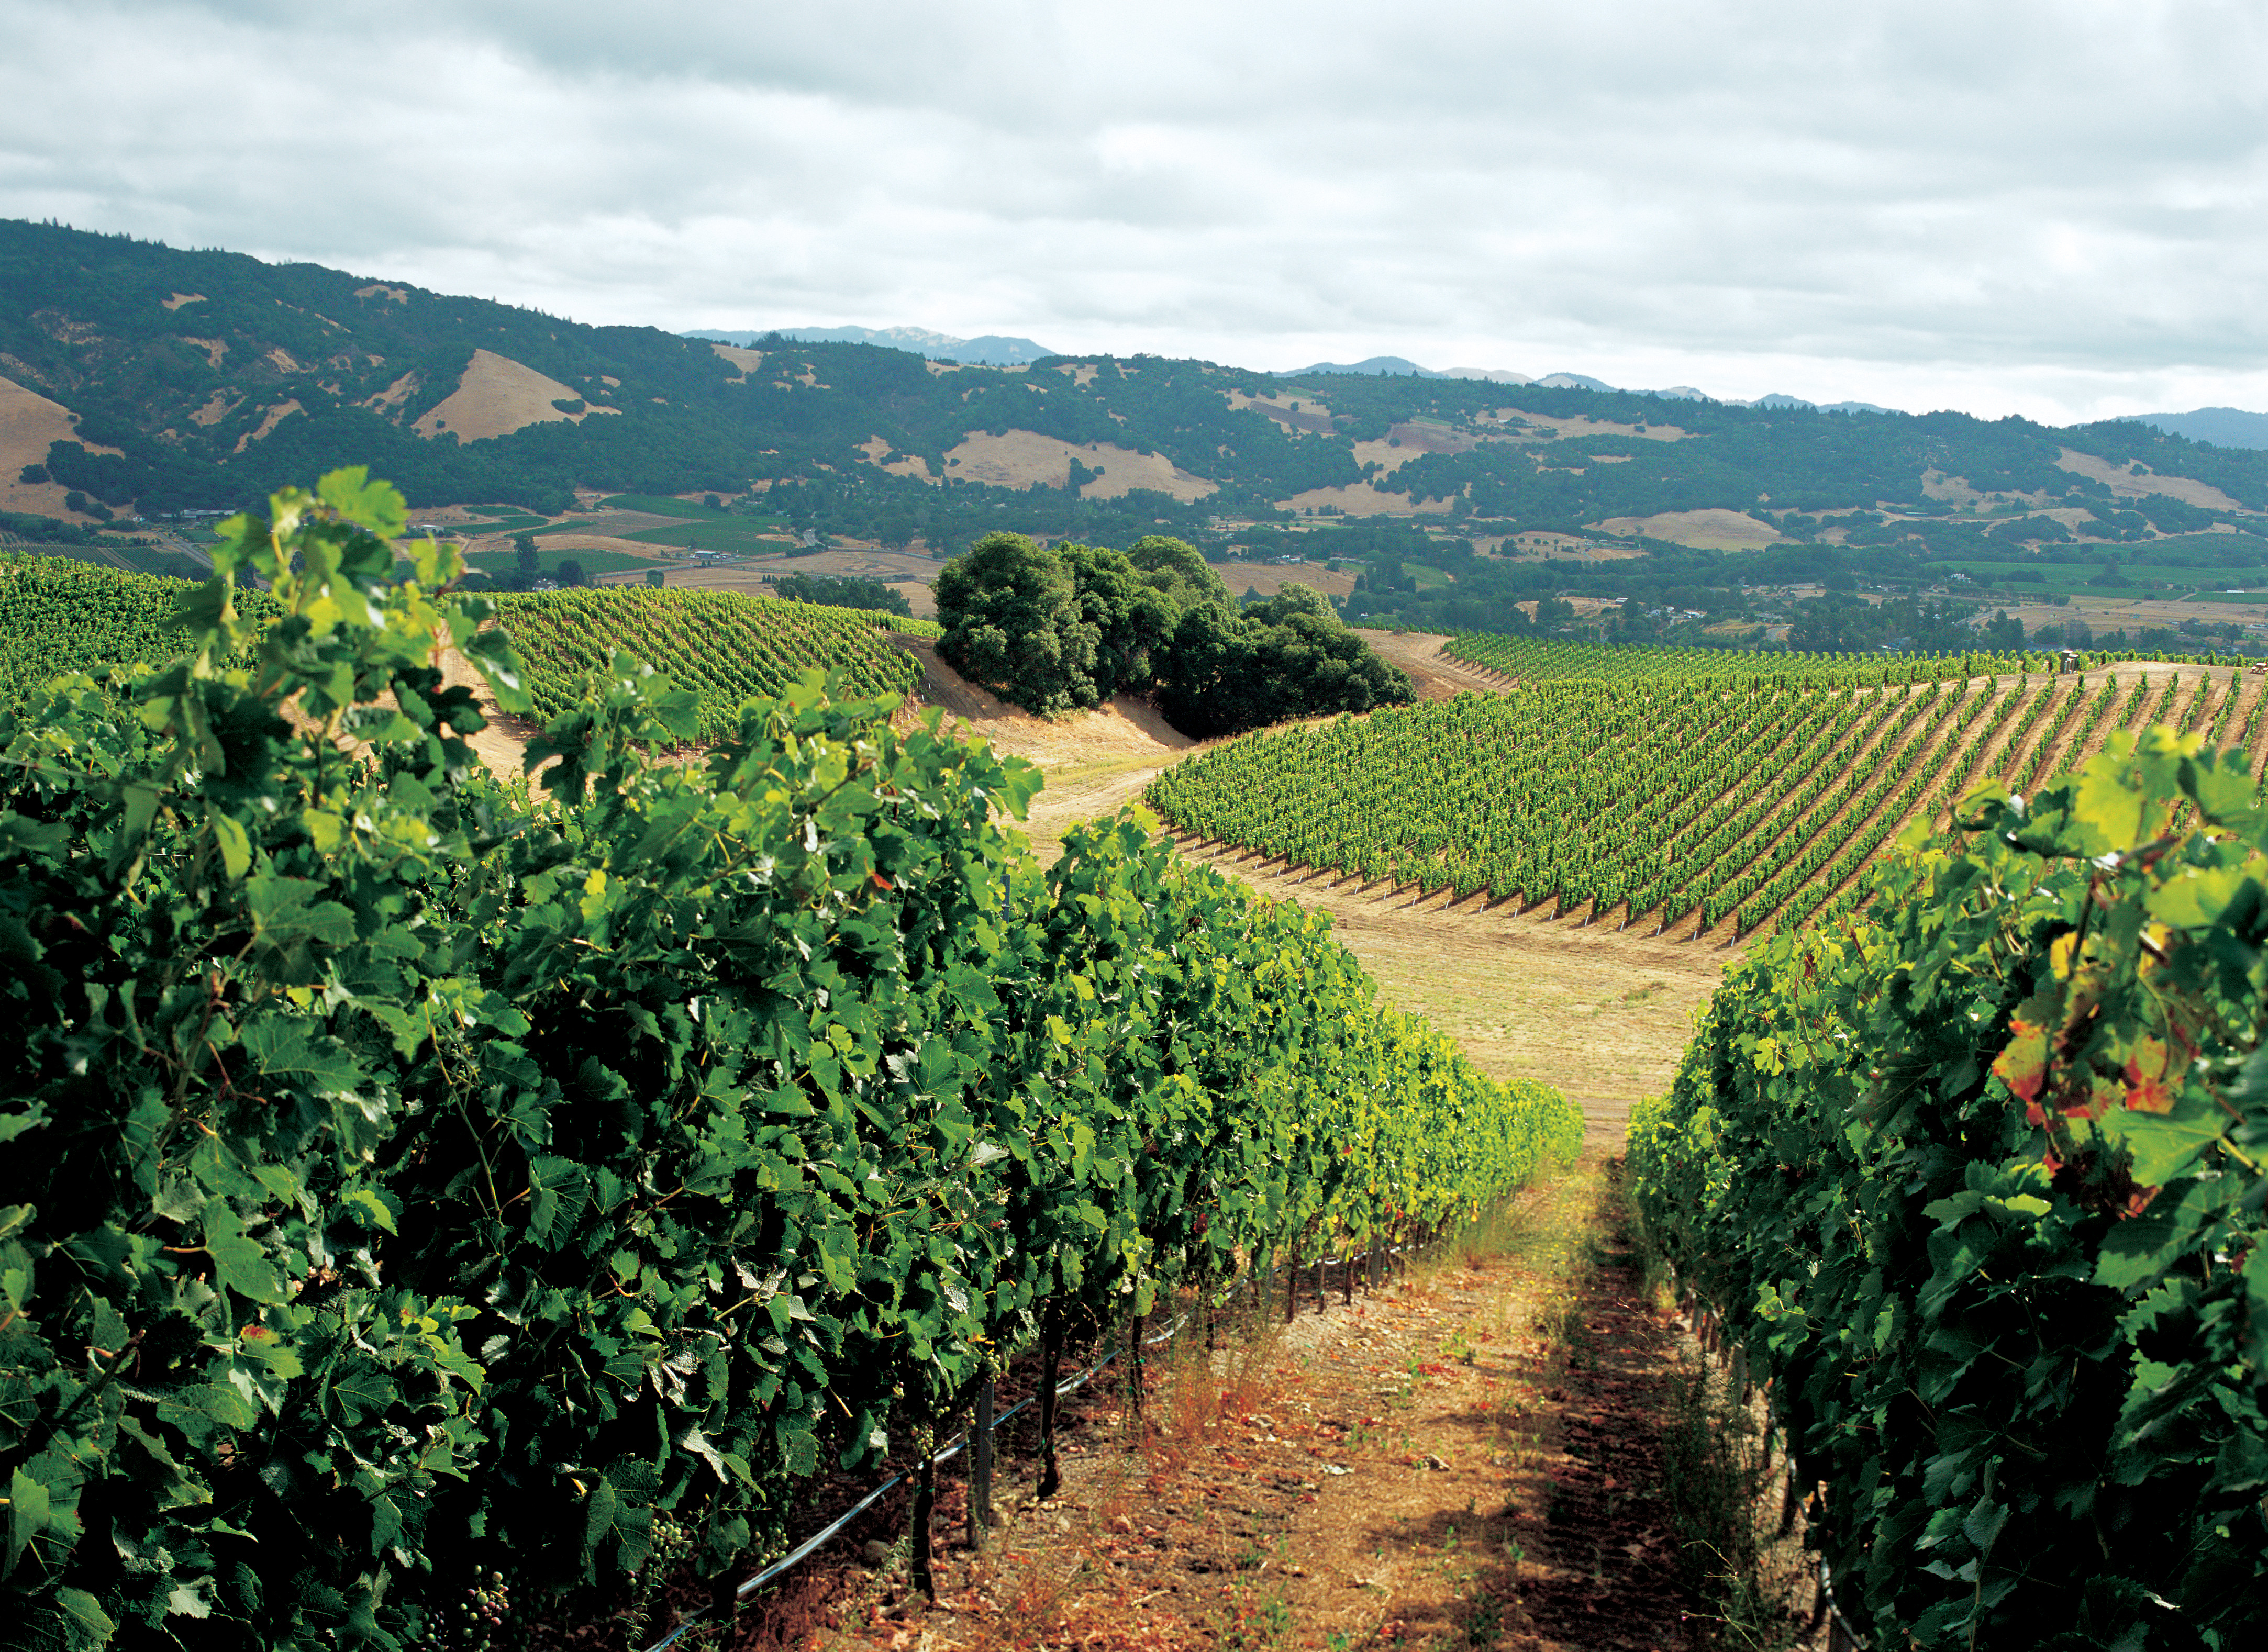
478	1621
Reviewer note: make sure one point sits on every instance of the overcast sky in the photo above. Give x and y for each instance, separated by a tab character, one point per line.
2051	209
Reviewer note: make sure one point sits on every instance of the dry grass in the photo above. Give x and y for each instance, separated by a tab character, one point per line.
747	360
28	423
1359	499
1268	579
1024	458
1406	441
1295	415
496	395
271	417
1602	1014
877	453
2123	482
1579	425
1706	529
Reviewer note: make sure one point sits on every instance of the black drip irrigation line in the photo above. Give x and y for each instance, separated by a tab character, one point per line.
811	1545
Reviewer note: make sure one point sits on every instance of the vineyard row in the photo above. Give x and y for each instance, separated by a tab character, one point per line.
1741	800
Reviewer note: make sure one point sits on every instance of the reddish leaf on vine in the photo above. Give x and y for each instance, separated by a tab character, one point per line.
2024	1064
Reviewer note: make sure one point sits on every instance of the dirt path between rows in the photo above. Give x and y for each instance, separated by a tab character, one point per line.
1470	1456
1436	675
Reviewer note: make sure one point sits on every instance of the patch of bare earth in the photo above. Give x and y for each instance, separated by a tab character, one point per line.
1602	1014
496	395
2122	480
1360	499
1024	458
503	744
1708	530
1268	579
1437	674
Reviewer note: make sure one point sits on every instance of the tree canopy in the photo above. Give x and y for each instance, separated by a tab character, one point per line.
1057	629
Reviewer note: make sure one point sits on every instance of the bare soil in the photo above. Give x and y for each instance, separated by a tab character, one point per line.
1473	1455
1438	676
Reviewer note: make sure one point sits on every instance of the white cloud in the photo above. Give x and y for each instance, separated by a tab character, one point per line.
2048	207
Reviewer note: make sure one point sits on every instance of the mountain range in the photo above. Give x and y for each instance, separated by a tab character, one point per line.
141	379
2223	427
989	349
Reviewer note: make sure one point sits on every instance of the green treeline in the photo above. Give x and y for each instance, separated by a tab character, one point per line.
411	1179
1975	1177
1053	629
842	591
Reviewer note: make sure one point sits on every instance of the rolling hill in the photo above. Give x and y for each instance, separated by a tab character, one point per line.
138	380
175	376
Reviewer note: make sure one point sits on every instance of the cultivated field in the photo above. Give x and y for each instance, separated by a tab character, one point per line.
1444	1460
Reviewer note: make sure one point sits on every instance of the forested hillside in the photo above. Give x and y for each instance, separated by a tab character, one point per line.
203	379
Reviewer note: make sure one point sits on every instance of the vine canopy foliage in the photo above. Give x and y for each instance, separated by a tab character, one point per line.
408	1176
1978	1176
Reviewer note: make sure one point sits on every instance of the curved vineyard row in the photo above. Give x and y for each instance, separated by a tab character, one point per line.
723	646
1535	659
58	615
1713	798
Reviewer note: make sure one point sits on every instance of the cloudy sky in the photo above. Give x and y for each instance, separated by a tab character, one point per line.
2053	208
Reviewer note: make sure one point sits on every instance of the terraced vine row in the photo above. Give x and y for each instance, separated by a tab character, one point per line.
1534	659
723	646
59	615
1712	797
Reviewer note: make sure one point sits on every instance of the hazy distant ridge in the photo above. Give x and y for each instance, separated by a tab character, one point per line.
1403	367
2223	427
990	349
